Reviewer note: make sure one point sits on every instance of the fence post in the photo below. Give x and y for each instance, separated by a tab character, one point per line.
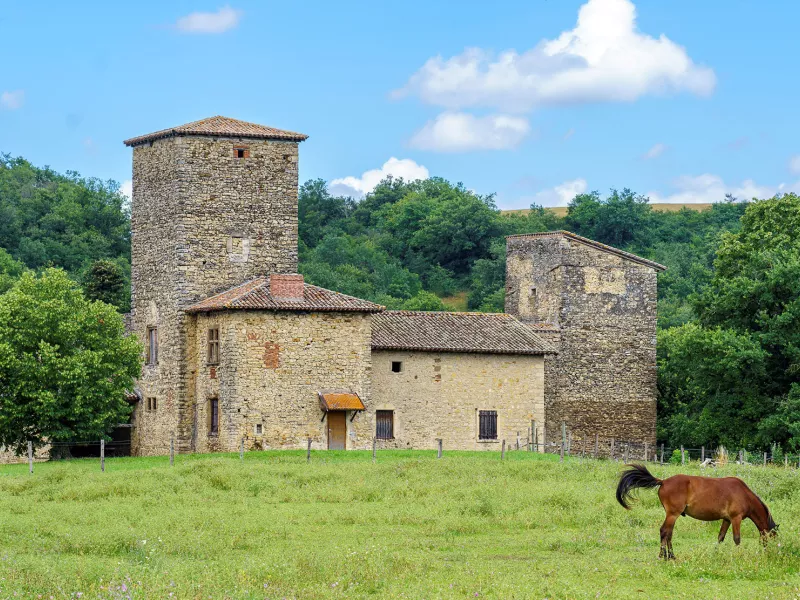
172	450
563	434
625	453
439	453
765	459
683	456
308	451
562	451
518	440
30	457
241	450
596	443
374	445
536	438
662	453
503	451
102	456
702	453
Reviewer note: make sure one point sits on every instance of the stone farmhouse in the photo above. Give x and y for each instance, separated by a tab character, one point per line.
240	348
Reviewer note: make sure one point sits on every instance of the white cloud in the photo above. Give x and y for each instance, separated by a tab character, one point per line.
560	195
698	189
461	132
794	164
126	189
360	186
12	100
655	151
223	20
604	58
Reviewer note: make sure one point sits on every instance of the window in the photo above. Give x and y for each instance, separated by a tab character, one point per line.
384	424
213	416
259	429
397	366
152	346
241	152
151	404
213	346
487	425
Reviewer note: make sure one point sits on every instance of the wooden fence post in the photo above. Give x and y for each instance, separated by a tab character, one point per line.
308	451
241	450
625	453
662	453
30	457
439	454
172	450
503	451
102	456
702	454
518	440
563	434
765	459
374	446
536	438
562	451
683	456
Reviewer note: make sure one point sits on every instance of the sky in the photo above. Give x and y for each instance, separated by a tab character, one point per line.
533	101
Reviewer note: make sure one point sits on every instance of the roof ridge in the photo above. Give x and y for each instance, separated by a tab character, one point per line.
219	126
590	242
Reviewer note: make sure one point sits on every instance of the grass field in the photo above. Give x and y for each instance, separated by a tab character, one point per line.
561	211
410	526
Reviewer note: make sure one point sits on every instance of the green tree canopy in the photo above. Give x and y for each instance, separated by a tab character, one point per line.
65	363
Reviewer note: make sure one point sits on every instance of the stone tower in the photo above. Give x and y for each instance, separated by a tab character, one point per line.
214	204
597	305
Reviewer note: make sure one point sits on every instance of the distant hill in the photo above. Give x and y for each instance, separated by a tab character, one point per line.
561	211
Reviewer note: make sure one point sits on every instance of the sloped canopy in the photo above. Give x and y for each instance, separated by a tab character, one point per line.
339	400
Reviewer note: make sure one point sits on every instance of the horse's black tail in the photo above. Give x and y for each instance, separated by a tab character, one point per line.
636	477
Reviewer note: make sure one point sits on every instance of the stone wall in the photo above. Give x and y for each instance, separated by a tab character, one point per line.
272	364
602	311
438	395
202	221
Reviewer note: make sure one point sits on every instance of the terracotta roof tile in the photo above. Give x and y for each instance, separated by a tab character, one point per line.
493	333
339	400
598	245
220	126
254	295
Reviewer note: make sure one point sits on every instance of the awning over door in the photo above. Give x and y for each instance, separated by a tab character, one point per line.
339	400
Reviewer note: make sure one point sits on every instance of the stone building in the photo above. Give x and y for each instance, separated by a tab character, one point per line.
240	349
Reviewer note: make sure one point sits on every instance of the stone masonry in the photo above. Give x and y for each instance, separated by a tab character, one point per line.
203	219
597	305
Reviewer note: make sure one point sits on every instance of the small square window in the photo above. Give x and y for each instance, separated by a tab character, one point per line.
151	404
259	429
241	152
397	366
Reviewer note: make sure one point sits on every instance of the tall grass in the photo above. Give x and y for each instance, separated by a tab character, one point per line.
410	526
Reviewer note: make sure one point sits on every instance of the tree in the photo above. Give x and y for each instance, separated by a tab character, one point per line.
10	270
618	220
65	363
105	282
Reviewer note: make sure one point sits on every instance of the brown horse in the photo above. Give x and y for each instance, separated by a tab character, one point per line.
704	498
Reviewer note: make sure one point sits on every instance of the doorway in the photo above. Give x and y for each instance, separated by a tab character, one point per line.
337	429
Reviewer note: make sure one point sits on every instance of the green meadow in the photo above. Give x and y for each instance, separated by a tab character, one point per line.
408	526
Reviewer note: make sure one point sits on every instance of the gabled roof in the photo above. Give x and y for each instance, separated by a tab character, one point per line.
220	126
255	295
588	242
492	333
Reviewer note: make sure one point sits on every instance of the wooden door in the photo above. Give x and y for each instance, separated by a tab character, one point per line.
337	430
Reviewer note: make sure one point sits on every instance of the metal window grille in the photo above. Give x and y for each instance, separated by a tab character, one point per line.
487	421
384	424
152	346
213	346
214	420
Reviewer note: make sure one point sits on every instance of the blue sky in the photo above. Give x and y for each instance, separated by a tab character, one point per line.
533	101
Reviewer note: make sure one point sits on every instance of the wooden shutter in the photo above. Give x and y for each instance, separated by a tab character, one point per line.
384	424
487	420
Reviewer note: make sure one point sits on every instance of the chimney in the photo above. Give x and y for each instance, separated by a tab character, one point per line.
286	286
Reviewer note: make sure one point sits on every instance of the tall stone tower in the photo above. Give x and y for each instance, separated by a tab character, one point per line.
597	305
214	205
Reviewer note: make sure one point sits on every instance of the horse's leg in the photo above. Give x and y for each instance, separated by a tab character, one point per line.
666	536
723	530
736	522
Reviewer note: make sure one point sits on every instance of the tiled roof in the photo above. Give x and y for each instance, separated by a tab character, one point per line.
220	126
254	295
598	245
455	332
339	400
